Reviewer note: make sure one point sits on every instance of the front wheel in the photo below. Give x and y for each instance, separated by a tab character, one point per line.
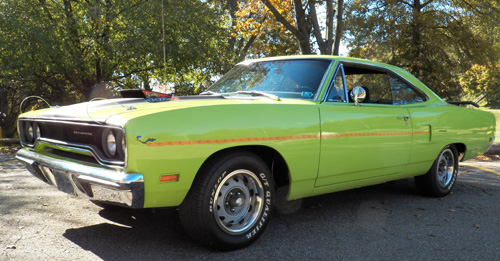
440	179
230	202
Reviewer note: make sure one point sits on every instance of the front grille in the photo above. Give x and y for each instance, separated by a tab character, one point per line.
80	136
75	156
72	133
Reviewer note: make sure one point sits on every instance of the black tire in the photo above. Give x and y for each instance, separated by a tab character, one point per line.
230	202
440	179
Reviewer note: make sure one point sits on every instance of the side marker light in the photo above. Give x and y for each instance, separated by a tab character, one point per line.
169	178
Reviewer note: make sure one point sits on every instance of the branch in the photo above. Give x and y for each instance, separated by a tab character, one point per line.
243	52
252	39
280	18
316	28
478	10
426	3
134	72
51	18
128	8
406	3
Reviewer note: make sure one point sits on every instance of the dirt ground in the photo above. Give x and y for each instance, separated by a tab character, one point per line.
390	221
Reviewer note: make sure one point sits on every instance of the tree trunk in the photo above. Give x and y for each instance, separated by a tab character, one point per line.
416	35
305	44
322	44
233	8
340	24
9	110
304	31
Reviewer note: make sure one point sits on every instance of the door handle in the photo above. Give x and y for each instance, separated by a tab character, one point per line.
406	118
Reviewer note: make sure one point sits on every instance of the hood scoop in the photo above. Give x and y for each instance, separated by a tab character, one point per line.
147	95
150	96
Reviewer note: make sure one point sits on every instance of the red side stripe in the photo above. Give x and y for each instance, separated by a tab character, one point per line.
295	137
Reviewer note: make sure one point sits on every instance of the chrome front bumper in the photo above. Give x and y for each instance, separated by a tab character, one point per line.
106	185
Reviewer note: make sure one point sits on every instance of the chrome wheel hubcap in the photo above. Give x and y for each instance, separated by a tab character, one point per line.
238	201
446	167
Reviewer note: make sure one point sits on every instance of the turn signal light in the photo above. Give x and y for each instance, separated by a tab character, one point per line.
169	178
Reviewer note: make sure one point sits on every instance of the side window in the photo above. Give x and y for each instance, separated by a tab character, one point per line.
404	94
381	87
376	84
337	93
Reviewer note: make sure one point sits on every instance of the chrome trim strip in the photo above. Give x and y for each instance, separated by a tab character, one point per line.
81	148
108	185
332	82
110	174
76	146
75	121
388	71
323	82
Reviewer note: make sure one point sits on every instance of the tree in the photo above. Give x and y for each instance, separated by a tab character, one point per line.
61	49
300	19
432	39
483	81
120	41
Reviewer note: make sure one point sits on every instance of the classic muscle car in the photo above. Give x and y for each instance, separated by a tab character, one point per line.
302	125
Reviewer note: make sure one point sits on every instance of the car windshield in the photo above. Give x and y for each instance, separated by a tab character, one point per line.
280	78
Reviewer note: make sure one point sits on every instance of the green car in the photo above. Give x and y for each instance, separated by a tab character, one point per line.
270	130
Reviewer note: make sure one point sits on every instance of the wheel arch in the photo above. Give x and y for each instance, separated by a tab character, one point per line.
461	149
273	159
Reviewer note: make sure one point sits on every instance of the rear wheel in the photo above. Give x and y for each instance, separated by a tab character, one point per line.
230	202
440	179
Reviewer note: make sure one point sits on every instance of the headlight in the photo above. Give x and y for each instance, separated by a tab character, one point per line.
31	132
111	143
36	131
28	132
122	146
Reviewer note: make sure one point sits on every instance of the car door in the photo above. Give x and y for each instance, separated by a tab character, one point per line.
365	141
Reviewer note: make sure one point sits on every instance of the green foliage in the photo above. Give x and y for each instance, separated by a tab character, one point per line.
284	26
78	44
483	79
436	40
62	49
258	34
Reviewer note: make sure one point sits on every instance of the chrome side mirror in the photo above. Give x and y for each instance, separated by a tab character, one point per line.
358	94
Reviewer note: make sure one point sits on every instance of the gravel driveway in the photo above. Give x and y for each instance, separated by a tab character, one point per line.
384	222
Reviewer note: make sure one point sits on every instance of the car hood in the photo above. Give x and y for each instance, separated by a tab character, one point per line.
118	111
97	110
102	110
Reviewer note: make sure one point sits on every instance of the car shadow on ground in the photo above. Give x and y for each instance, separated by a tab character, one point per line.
153	233
133	234
394	212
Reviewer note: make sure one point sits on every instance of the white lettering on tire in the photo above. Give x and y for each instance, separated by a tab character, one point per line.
267	208
212	195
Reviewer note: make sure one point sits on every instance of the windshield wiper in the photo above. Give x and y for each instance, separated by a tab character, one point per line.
257	93
209	93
